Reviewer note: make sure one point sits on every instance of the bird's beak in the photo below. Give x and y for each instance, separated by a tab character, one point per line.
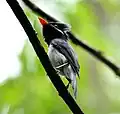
42	21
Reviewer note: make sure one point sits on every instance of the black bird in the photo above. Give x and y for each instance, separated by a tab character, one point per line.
61	54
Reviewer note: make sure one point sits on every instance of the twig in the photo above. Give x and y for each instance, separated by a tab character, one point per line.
57	82
76	41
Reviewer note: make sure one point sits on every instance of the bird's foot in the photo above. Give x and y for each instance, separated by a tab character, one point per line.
57	71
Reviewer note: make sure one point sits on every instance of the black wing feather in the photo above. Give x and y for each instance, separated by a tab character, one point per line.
64	48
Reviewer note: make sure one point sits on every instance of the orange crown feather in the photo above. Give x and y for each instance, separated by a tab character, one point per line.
42	21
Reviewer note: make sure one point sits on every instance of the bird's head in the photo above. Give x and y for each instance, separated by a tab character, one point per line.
50	32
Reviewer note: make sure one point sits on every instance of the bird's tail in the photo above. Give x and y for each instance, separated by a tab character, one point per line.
72	77
74	84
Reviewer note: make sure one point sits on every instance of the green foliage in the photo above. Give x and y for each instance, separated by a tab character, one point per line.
98	88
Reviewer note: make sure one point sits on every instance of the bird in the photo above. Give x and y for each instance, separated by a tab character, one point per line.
60	52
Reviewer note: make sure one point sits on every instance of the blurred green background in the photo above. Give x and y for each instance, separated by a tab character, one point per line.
95	22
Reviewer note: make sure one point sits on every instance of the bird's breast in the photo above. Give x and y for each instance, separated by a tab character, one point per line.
55	56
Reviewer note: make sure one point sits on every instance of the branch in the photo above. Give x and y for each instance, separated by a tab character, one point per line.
98	54
57	82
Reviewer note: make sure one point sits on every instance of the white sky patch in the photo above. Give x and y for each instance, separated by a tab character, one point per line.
12	38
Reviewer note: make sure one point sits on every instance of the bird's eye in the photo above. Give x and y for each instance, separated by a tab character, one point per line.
55	25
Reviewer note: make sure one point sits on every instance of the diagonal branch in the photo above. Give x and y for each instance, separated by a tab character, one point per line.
57	82
98	54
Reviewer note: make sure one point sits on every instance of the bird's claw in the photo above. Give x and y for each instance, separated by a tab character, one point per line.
57	71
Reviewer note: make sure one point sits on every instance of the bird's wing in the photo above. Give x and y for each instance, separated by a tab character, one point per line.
64	48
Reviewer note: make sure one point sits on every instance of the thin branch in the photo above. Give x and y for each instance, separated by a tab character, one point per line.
98	54
57	82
